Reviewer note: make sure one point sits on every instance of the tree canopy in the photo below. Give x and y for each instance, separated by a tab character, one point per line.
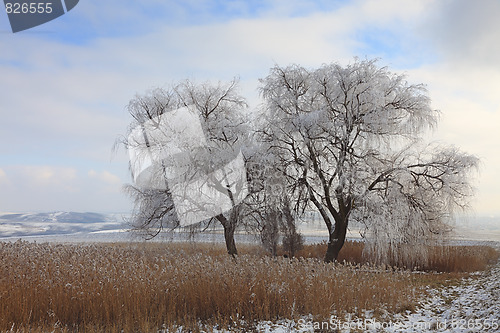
349	140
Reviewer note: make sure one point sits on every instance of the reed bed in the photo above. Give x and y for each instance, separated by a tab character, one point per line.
438	258
151	287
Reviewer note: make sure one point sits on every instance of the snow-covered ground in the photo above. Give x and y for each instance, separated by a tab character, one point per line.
472	306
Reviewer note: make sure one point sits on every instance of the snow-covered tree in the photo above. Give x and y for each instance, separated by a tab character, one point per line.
348	139
177	166
153	212
267	208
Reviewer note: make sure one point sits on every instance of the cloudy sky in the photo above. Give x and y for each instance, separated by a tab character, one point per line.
64	85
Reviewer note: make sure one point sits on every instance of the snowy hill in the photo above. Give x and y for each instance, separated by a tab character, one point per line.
57	223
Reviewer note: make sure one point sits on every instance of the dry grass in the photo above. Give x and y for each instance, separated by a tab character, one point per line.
446	258
461	258
142	287
351	252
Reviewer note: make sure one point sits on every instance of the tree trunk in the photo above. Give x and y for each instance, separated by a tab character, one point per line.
269	233
292	241
229	228
336	239
230	243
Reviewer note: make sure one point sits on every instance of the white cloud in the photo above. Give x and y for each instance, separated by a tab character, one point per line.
105	176
47	176
37	187
51	188
3	176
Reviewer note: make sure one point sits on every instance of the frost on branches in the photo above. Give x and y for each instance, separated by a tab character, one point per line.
184	141
349	142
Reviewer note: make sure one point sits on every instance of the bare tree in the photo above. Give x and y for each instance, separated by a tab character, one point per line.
260	208
267	208
153	211
185	172
348	141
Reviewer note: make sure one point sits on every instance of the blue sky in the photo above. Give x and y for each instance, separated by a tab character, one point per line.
64	85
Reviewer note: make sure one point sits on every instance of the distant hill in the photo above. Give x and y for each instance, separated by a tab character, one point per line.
56	223
55	217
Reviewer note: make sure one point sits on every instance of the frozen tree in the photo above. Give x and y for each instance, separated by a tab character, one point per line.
261	205
267	208
411	201
348	140
225	123
177	170
154	209
153	212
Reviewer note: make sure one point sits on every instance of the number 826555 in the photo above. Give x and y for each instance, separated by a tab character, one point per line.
31	8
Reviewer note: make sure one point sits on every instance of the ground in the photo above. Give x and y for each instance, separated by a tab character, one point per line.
471	306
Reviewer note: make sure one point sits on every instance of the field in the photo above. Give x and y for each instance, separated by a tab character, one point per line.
154	287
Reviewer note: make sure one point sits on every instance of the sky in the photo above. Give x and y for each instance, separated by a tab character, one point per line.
65	85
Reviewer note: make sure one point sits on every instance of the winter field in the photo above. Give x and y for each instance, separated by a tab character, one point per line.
70	272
